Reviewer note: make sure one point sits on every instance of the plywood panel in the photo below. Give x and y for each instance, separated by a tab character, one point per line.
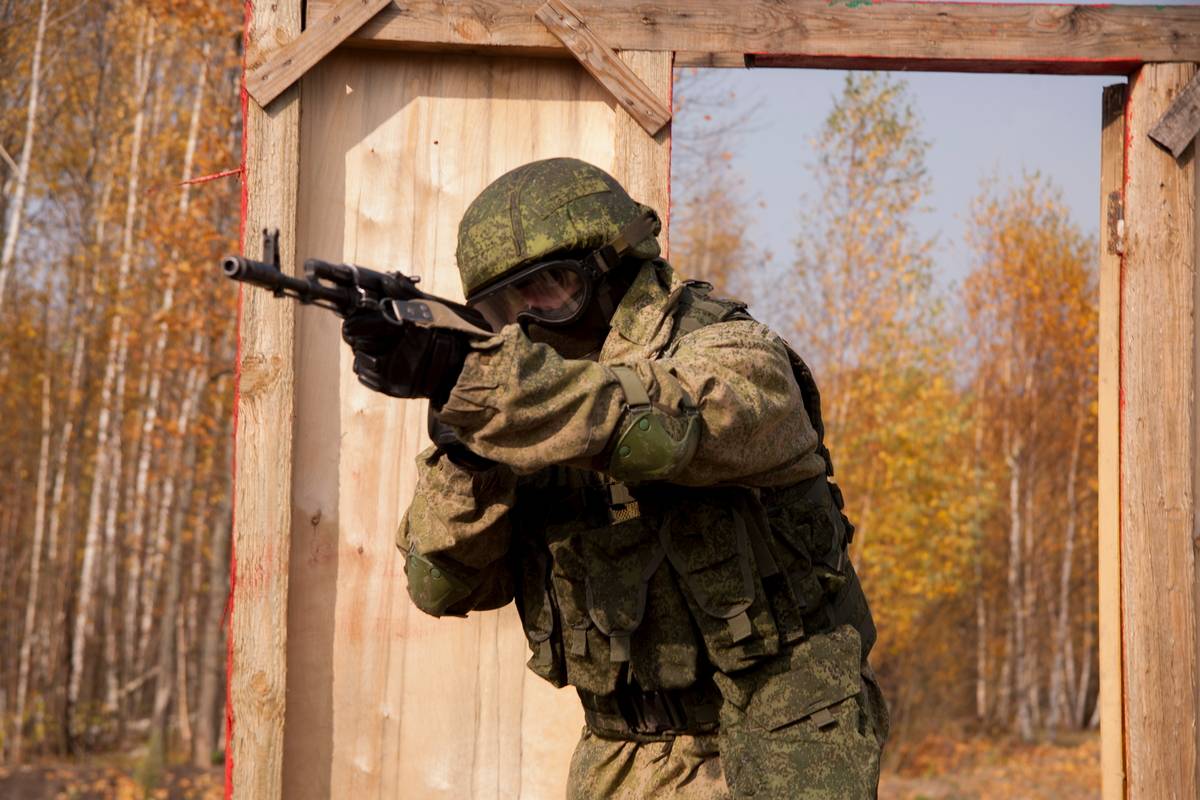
1158	449
384	701
1112	177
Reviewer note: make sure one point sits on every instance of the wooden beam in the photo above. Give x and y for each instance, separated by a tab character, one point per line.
267	80
1180	124
1159	450
1067	39
1112	178
602	64
257	677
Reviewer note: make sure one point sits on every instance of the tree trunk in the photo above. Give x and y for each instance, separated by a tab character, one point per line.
212	651
1029	603
981	617
35	570
1062	677
113	550
1015	592
184	463
17	207
157	369
87	579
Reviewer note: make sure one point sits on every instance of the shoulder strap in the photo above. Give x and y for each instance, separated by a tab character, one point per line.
698	309
812	403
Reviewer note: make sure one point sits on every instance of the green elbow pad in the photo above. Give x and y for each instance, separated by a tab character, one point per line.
432	588
654	446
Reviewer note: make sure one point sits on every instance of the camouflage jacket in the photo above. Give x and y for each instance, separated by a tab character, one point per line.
743	500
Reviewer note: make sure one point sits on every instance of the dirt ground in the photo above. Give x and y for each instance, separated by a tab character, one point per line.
936	769
982	769
115	781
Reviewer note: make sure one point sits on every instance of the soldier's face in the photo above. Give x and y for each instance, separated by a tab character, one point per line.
551	293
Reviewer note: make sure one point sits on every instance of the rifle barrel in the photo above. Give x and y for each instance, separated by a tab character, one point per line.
268	276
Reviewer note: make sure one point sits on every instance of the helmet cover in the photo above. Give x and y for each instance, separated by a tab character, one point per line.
544	207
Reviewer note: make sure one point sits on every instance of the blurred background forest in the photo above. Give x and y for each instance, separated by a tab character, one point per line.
962	417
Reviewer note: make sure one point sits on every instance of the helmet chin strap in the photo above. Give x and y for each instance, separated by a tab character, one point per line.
609	257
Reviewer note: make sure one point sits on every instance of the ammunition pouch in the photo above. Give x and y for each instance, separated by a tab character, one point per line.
660	584
807	718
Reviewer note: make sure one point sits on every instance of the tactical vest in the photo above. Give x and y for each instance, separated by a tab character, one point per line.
661	584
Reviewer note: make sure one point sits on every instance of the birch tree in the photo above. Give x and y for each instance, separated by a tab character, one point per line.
16	206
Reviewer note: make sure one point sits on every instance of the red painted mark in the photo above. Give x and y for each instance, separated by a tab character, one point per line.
217	175
237	382
972	3
1069	65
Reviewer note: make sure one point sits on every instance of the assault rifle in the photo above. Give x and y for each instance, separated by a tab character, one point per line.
346	288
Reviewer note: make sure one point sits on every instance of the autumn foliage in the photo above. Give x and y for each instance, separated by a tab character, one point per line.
962	420
116	353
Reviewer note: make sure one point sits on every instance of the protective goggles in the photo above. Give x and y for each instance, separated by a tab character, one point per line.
548	292
556	291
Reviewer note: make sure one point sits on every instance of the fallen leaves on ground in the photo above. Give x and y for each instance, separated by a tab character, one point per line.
940	768
106	781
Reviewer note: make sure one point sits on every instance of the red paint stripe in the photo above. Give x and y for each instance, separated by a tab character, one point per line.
1052	65
237	384
976	3
1014	59
217	175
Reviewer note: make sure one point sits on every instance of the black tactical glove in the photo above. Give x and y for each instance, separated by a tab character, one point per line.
448	442
404	360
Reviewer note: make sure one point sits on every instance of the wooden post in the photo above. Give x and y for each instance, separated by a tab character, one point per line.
1112	178
1159	449
641	162
263	440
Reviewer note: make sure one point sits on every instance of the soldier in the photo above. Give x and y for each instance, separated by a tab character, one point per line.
640	466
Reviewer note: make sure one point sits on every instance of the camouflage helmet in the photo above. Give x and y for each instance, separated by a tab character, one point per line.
544	207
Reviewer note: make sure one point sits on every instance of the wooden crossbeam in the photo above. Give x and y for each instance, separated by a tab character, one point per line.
598	59
267	81
1063	39
1178	127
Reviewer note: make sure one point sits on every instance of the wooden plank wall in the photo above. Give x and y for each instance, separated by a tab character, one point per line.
383	701
1159	450
1112	178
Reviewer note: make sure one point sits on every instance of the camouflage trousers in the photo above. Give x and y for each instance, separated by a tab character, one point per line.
682	768
809	725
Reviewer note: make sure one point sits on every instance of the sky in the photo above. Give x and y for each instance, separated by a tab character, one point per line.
979	127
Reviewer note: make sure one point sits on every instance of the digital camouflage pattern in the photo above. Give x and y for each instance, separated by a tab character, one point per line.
520	403
682	768
807	725
556	204
776	746
798	720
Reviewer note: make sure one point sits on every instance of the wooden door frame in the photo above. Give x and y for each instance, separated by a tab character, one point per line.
1148	355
